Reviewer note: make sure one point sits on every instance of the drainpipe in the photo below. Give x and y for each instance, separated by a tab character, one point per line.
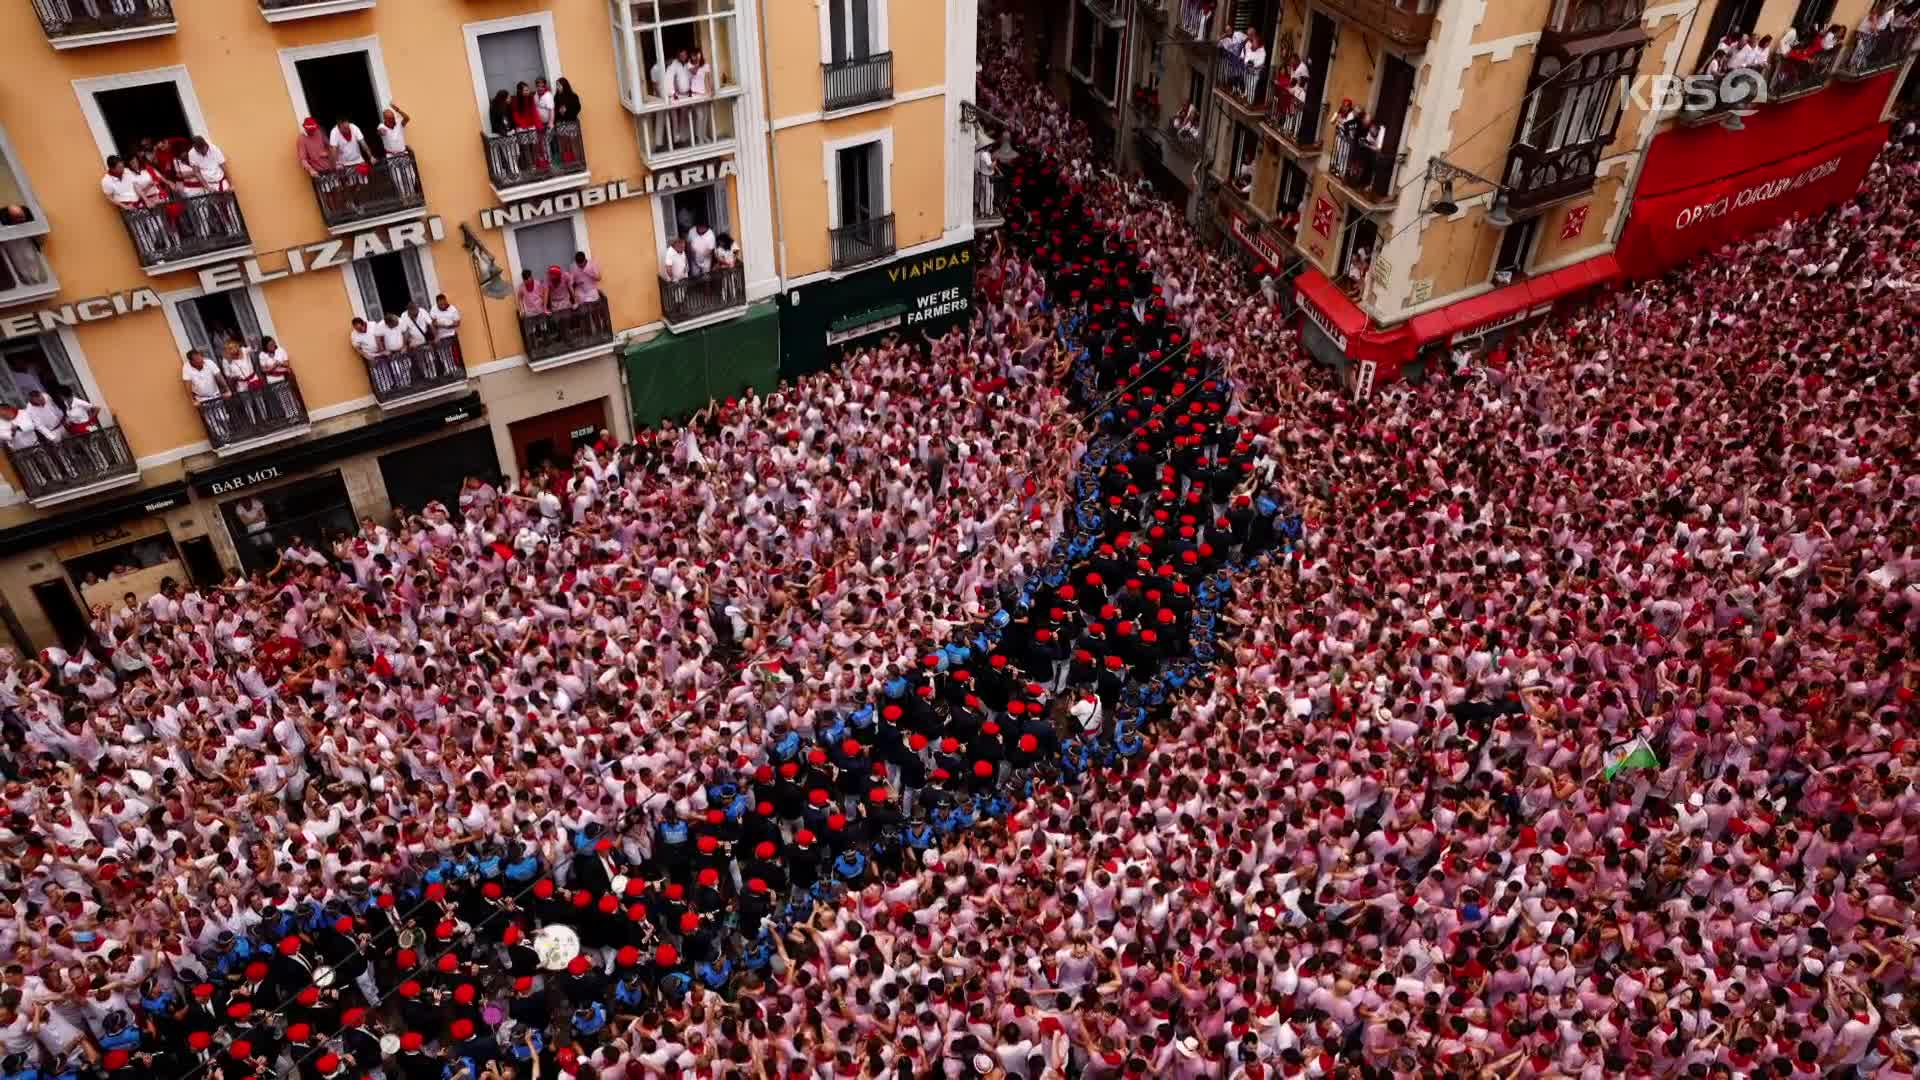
773	155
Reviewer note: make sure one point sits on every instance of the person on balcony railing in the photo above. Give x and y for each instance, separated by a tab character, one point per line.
352	159
559	294
566	103
526	117
500	113
203	379
584	279
700	245
392	130
726	256
1255	59
315	155
673	261
133	190
699	85
445	319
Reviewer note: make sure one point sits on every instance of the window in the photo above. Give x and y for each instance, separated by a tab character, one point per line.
705	205
1358	236
1196	88
1812	16
549	243
856	29
1595	16
154	112
390	282
1730	17
341	80
860	172
1294	183
1106	72
38	363
684	48
1081	33
24	273
213	319
694	131
20	213
1578	107
1516	248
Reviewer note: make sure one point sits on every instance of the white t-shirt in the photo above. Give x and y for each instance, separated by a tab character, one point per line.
274	365
446	322
393	139
346	148
365	342
211	166
700	246
129	189
238	368
204	380
543	104
18	433
673	265
49	420
682	77
702	81
396	338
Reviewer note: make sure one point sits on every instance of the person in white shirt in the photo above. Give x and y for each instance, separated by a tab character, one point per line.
272	361
131	189
201	377
585	279
543	101
396	334
364	341
680	74
700	245
83	416
48	420
209	164
352	159
726	256
699	84
1256	61
446	321
673	261
393	130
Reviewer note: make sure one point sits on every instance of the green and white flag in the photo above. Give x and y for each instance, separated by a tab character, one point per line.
1637	754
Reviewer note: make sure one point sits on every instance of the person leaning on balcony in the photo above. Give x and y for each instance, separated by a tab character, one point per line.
48	419
559	290
700	245
364	341
726	256
209	165
397	335
500	113
531	295
126	188
273	362
566	103
311	150
82	417
1255	57
584	277
673	261
16	430
446	321
392	129
202	378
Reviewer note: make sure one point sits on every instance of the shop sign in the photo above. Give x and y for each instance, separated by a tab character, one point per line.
1473	333
244	480
274	266
1363	379
1258	242
567	202
1325	323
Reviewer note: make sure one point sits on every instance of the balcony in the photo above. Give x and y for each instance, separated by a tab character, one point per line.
371	194
1242	85
1196	20
562	337
1798	73
1288	120
255	416
698	299
1182	140
1403	22
76	24
289	10
74	467
404	377
1537	177
524	163
690	131
862	242
848	84
1365	173
986	203
1874	51
187	232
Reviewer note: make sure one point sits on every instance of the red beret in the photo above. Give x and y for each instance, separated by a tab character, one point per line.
983	768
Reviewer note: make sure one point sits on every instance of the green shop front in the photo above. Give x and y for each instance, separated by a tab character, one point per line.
672	376
929	292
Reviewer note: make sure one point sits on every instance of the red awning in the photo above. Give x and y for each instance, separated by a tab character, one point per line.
1324	303
1490	311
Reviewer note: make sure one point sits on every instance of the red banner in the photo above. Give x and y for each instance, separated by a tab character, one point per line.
1667	229
1704	186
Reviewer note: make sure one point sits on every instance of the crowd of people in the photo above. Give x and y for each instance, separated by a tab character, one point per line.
735	704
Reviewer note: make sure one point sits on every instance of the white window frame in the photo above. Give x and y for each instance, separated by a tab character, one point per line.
878	39
177	75
39	225
358	303
297	94
580	241
27	294
830	152
727	202
179	328
474	31
77	356
1531	248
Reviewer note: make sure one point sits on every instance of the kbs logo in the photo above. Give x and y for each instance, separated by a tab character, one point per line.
1741	89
